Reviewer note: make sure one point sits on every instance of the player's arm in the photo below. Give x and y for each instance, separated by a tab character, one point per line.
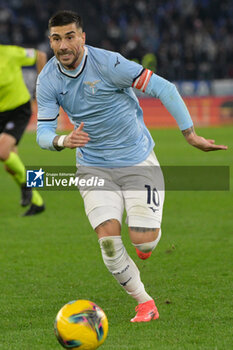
200	142
77	138
41	59
48	111
30	57
47	137
160	88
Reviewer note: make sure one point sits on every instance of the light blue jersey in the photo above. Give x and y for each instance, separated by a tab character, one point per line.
99	93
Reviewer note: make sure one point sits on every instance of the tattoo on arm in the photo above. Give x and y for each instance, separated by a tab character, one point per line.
142	229
188	131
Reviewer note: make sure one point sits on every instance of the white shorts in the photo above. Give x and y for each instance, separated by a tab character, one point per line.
138	189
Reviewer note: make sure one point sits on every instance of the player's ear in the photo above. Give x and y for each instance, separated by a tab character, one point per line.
83	38
50	41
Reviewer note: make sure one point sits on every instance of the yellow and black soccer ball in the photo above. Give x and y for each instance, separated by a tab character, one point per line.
82	325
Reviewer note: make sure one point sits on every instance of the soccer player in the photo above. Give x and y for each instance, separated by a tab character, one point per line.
15	112
94	87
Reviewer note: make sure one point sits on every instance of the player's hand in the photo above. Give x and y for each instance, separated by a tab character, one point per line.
77	138
200	142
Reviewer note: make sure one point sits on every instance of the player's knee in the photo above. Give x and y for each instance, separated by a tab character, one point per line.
146	247
4	154
7	143
108	227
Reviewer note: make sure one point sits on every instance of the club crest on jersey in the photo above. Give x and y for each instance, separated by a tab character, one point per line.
92	85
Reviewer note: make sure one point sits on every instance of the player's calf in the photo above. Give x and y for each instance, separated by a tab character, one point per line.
26	195
122	267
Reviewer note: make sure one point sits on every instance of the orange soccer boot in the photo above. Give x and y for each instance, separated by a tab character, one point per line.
146	312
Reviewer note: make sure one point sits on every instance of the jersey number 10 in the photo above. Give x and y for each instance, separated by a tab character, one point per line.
152	194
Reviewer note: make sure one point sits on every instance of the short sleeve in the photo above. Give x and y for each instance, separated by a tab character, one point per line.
22	56
29	58
122	71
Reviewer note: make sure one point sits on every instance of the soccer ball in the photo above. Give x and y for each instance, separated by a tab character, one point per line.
81	325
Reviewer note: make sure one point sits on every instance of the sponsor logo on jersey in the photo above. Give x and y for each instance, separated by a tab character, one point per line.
117	62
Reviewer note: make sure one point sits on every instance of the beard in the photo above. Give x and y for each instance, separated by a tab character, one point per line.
68	65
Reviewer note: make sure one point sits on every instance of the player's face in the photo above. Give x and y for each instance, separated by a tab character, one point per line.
67	43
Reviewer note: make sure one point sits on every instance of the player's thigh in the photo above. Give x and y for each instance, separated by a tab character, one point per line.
103	204
144	204
104	210
144	219
16	121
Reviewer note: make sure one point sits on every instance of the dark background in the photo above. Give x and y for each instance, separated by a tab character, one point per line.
188	39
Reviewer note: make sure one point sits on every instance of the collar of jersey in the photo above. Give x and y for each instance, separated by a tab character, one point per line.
76	72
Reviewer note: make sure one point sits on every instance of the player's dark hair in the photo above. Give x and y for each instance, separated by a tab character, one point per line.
62	18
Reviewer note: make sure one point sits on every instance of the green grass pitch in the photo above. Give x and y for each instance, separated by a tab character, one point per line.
48	260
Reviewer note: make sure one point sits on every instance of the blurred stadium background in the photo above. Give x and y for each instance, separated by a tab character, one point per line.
187	42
